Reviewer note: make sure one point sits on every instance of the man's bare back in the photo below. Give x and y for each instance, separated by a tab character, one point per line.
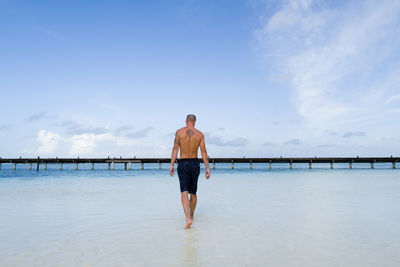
189	140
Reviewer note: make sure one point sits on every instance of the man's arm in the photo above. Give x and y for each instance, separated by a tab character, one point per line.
204	155
175	151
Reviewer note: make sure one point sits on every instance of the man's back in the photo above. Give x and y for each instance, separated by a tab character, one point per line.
189	140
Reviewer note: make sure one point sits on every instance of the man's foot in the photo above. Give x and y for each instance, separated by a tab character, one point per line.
188	224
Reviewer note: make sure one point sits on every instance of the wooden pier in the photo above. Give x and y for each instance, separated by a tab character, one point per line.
128	162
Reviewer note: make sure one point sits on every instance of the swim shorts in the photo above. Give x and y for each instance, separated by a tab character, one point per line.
188	172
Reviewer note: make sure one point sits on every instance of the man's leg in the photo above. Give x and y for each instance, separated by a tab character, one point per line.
193	202
186	208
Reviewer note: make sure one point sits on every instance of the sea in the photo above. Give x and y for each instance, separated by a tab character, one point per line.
259	217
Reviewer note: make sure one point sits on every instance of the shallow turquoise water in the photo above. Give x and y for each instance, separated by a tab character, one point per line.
259	217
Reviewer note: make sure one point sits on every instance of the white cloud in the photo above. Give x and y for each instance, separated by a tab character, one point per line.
48	141
342	61
94	145
88	143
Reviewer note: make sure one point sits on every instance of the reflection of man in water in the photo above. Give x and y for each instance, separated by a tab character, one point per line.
189	139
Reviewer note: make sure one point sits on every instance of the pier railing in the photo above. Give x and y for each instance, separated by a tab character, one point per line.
128	162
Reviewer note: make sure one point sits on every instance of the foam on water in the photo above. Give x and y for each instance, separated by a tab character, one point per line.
298	217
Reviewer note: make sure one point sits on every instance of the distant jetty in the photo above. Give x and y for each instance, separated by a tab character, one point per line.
128	162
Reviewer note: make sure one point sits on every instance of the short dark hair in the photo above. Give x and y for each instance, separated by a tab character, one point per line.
191	117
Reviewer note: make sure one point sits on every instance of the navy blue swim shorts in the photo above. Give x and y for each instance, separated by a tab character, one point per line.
188	172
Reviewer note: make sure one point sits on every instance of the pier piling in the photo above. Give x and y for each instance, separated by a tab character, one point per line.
61	166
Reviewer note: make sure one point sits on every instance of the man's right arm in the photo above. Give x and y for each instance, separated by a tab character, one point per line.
204	155
175	151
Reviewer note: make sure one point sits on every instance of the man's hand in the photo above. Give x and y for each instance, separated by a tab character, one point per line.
171	170
207	173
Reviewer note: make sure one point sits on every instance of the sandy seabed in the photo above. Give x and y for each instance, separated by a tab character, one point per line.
244	218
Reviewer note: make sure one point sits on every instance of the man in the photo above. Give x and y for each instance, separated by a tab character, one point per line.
188	140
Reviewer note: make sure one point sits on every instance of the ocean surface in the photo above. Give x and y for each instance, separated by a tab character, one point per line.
259	217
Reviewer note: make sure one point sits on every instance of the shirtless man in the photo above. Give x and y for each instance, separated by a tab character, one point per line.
189	139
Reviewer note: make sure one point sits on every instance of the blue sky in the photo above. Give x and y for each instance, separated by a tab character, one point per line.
265	78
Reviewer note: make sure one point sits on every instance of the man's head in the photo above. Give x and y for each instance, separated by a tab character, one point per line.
191	119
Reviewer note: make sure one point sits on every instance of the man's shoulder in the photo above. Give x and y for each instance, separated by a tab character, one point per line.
199	132
181	130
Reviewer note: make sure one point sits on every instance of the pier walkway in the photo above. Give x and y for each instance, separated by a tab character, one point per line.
128	162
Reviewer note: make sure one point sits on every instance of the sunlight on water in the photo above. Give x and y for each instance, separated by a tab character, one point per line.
282	217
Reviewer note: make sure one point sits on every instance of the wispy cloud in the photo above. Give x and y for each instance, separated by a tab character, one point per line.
140	133
5	126
55	35
284	122
171	134
392	99
39	116
123	128
217	140
326	145
341	61
73	127
239	141
295	141
268	144
350	134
